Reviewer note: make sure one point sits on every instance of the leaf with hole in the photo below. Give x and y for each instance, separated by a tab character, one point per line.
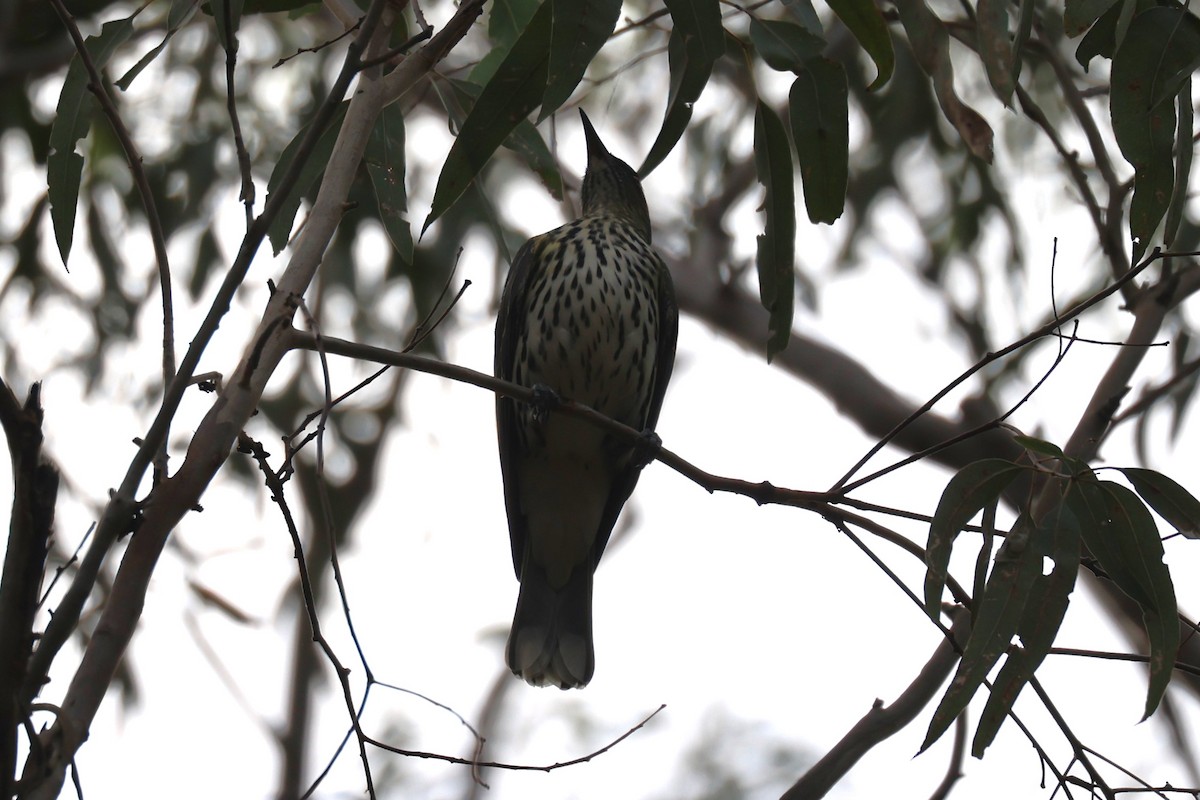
972	488
996	618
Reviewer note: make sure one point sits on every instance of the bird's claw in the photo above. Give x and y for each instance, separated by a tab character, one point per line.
647	447
544	401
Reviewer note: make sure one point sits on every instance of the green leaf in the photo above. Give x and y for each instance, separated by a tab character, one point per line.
931	46
1079	15
817	108
1025	18
525	140
784	46
1058	536
385	162
697	41
227	14
181	12
72	118
996	619
578	31
1039	446
1161	50
972	488
1183	162
281	227
512	93
866	22
1119	531
995	47
804	13
1172	502
1109	30
505	22
777	243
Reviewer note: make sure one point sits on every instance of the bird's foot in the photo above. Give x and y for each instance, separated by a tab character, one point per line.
646	448
544	401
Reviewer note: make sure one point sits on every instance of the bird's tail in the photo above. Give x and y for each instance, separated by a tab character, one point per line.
551	639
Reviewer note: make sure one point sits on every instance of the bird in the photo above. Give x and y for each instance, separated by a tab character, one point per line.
587	313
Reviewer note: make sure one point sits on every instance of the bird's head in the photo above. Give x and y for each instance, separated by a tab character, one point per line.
610	186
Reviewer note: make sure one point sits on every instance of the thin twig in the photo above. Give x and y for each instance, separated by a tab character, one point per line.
100	88
1041	332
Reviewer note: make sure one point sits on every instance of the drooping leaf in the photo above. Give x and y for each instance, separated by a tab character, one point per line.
1173	503
181	12
697	41
1109	30
995	620
1045	609
525	140
1118	530
803	12
227	14
1025	19
578	31
972	488
281	227
1039	446
1183	162
1078	15
506	20
866	22
784	46
817	108
385	162
72	118
777	243
508	98
1158	54
995	46
931	45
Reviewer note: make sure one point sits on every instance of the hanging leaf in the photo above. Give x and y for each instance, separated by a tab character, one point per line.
1079	15
181	12
995	47
697	41
506	20
525	140
1058	536
1183	163
578	30
931	45
72	118
784	46
866	22
817	108
1118	530
281	227
973	488
777	243
994	620
1172	502
512	93
385	162
1159	53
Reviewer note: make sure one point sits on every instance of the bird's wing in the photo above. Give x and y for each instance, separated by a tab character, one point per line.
509	323
664	362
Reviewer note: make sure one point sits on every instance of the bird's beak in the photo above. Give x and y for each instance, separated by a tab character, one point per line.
595	147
